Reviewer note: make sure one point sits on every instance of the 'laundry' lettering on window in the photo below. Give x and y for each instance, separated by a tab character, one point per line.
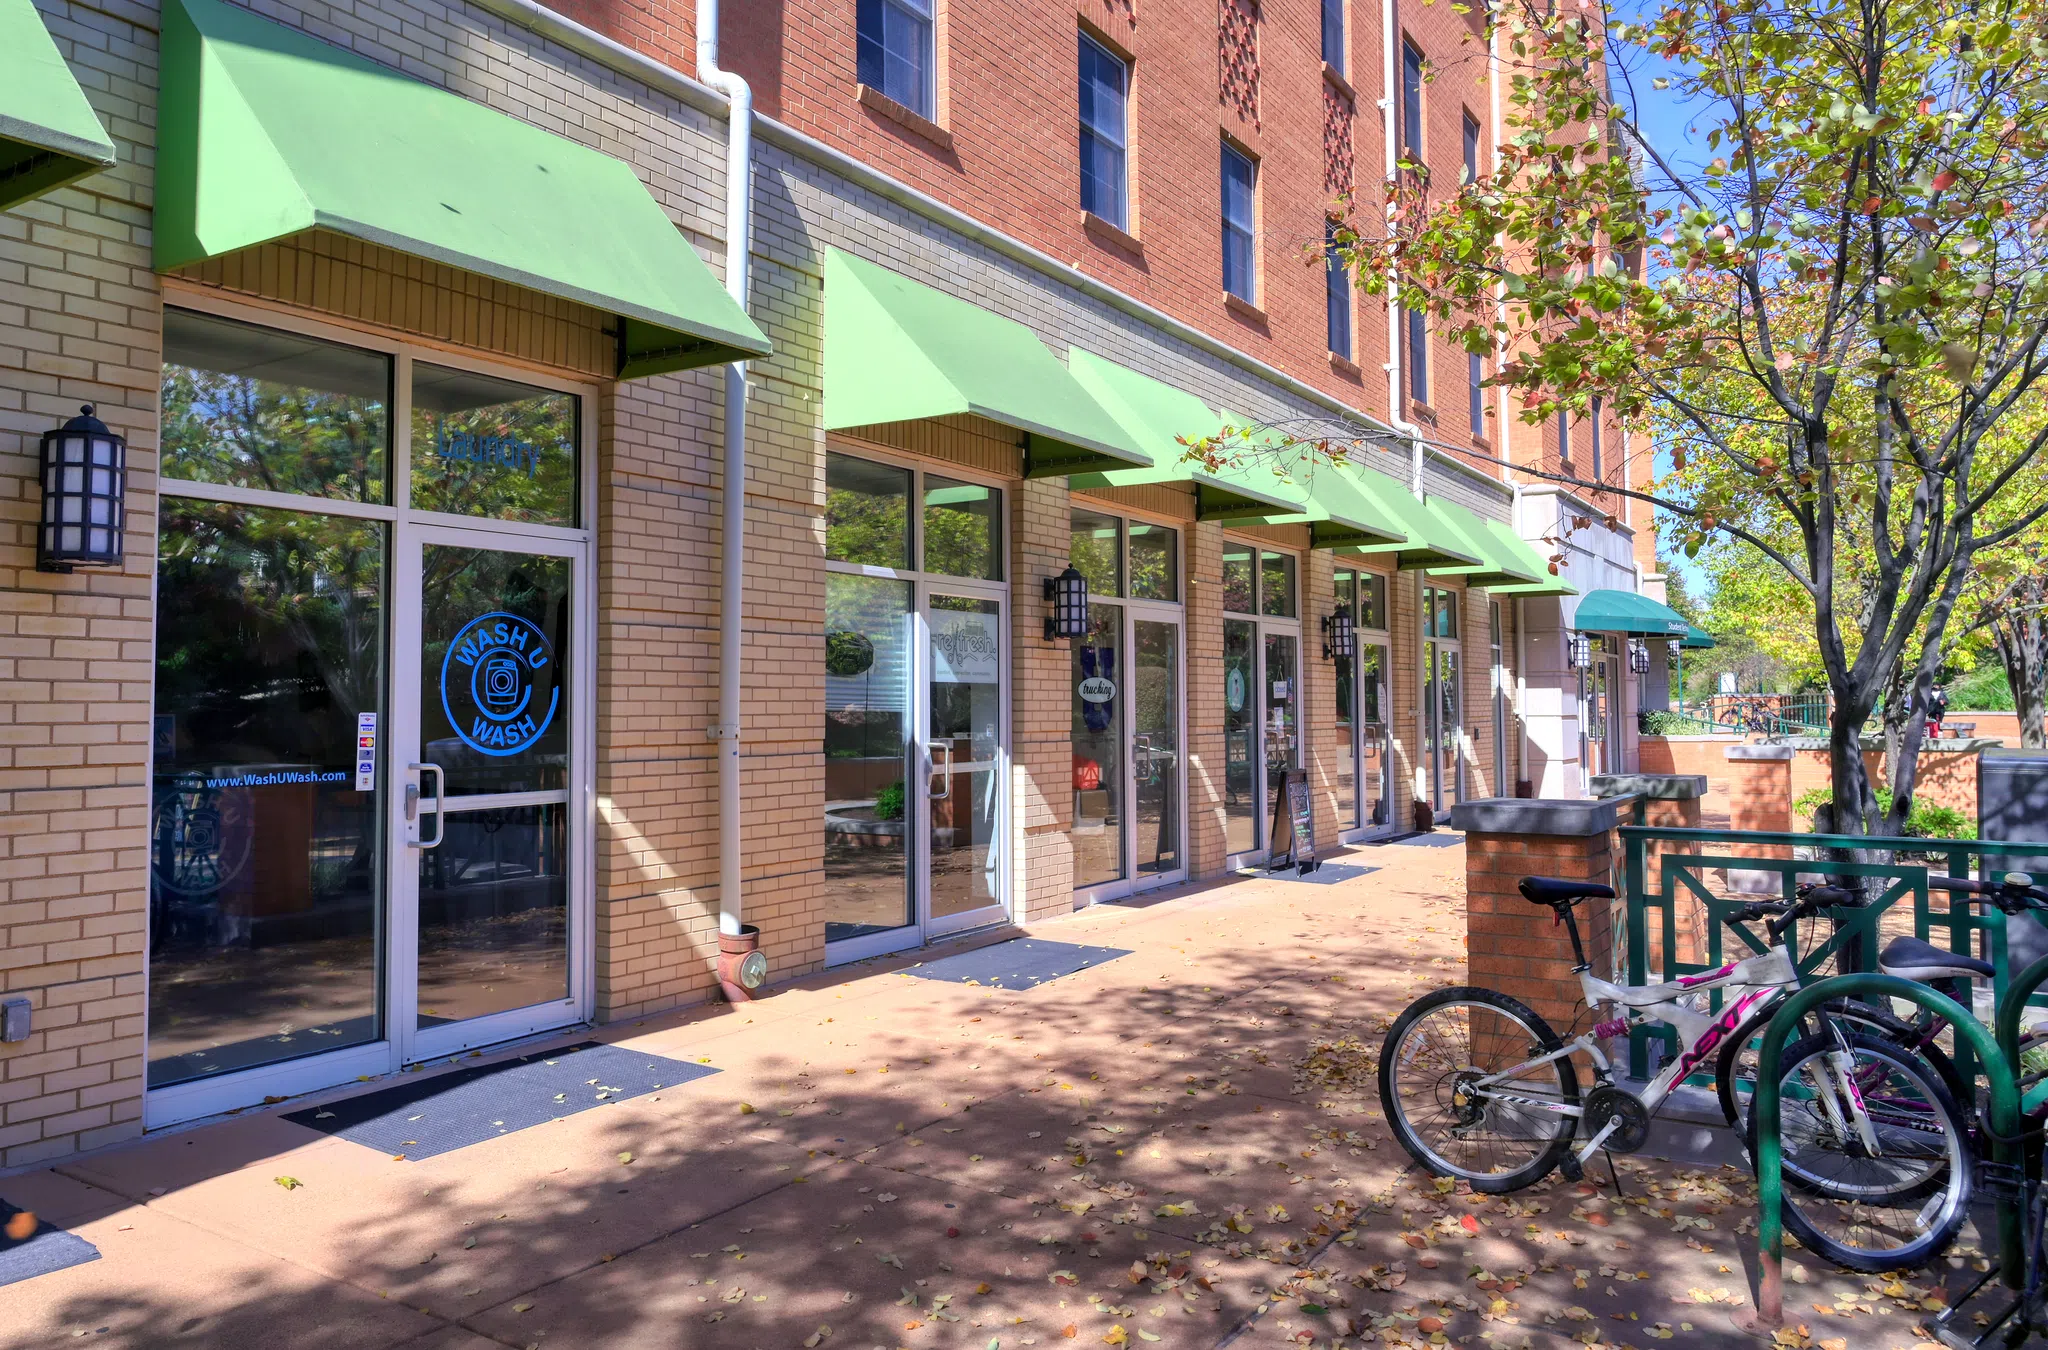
494	452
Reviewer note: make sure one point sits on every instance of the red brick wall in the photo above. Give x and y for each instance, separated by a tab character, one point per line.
1666	754
1948	778
1511	944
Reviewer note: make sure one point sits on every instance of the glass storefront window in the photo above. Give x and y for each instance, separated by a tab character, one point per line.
1100	687
1240	728
1155	562
1372	601
483	446
1237	579
1097	552
252	407
963	524
1276	584
966	697
1155	743
265	858
867	722
867	512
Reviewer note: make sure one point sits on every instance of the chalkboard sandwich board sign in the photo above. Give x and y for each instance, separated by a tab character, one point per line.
1294	826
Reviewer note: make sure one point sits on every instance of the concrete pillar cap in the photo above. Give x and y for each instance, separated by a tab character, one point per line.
1765	752
1535	815
1663	787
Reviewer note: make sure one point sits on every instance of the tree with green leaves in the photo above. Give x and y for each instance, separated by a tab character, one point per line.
1826	326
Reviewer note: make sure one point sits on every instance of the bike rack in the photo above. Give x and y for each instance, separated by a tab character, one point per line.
2005	1120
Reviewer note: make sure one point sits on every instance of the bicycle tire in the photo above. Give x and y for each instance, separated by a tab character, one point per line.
1882	1023
1955	1178
1543	1041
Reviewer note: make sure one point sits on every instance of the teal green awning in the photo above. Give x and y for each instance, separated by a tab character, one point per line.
264	132
49	134
1505	559
1338	514
1155	414
1697	638
899	351
1434	538
1628	612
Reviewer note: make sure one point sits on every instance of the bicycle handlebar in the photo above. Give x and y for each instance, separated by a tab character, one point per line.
2015	892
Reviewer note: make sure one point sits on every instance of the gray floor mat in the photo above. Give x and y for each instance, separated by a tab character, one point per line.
454	1110
1021	963
41	1252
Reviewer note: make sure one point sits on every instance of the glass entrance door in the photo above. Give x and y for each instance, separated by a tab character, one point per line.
484	759
1376	762
962	763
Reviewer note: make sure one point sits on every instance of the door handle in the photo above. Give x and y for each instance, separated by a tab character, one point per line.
946	775
412	799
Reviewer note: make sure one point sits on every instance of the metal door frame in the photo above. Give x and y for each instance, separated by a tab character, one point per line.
922	922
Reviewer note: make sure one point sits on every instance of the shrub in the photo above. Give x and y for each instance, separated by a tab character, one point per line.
889	802
1927	820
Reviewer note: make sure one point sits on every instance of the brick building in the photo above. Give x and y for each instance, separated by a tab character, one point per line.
395	731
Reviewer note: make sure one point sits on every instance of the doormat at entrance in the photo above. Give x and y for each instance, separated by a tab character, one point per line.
1020	963
431	1116
1434	839
40	1251
1329	874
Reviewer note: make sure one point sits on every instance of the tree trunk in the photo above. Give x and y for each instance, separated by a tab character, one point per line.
1855	805
2020	637
1898	707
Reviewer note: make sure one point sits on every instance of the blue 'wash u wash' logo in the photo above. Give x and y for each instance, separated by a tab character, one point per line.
488	680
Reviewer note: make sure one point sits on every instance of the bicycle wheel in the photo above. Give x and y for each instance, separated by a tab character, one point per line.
1501	1138
1737	1064
1891	1209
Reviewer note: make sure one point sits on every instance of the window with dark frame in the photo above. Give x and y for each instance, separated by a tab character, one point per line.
1339	293
1471	147
1333	35
1475	394
893	42
1564	441
1240	225
1411	103
1105	81
1417	355
1593	436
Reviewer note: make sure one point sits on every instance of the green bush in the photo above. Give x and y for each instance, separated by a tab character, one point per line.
1926	820
1984	689
889	802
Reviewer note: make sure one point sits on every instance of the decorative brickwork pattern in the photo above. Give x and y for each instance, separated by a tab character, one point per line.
1338	166
1237	44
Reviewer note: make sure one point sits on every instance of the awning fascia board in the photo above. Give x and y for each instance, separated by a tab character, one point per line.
1337	513
1433	541
897	350
1611	611
1505	563
49	135
1156	415
265	132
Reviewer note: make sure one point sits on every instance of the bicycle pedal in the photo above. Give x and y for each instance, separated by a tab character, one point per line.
1571	1168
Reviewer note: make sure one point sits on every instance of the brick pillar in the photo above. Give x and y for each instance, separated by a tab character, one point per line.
1511	945
1323	744
1041	708
1207	845
1404	710
1671	802
1759	798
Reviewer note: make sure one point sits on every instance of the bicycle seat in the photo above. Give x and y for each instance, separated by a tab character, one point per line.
1913	959
1561	891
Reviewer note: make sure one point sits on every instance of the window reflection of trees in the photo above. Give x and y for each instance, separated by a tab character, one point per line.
250	432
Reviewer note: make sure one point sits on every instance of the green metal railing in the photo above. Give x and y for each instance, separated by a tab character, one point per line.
2004	1115
1685	858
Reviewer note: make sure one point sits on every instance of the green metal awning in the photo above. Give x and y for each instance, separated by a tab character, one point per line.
1337	512
264	132
49	135
1434	538
1155	414
900	351
1505	559
1628	612
1697	638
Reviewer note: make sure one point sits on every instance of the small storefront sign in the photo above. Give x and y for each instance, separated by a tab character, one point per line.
1096	689
965	648
1233	690
488	680
366	752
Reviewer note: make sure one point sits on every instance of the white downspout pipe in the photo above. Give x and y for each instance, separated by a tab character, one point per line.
739	199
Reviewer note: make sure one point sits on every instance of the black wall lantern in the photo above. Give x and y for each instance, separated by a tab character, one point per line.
1579	652
1639	656
1340	639
1067	593
85	481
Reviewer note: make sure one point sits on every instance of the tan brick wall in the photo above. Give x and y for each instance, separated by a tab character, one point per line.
1207	842
1041	706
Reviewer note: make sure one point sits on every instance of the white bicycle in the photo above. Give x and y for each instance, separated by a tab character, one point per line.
1878	1167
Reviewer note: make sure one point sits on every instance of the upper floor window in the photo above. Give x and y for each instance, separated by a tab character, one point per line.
895	51
1105	90
1593	435
1417	354
1411	103
1333	35
1564	441
1339	293
1471	147
1240	224
1475	394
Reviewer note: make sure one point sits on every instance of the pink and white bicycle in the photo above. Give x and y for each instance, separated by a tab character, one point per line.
1878	1166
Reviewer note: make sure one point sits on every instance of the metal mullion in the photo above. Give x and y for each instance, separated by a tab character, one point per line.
237	495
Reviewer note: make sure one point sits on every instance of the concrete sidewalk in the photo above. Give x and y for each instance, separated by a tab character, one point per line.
1181	1146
